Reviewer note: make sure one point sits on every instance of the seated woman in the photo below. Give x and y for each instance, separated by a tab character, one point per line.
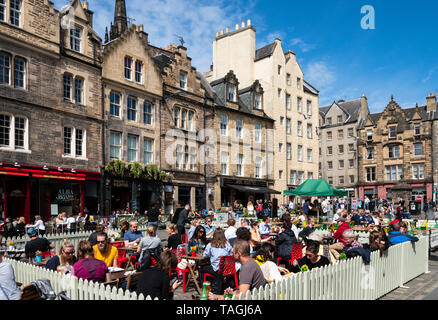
174	239
218	248
379	241
256	239
199	238
39	226
312	259
65	258
195	223
149	246
264	257
285	241
155	281
124	226
21	227
89	268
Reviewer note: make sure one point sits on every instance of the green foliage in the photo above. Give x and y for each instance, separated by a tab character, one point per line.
136	171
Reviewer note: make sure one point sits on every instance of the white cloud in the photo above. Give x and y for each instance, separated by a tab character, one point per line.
196	21
320	75
429	74
300	43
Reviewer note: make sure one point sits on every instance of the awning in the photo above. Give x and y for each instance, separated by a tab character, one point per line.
254	189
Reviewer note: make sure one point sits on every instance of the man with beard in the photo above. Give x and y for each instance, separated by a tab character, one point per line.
104	251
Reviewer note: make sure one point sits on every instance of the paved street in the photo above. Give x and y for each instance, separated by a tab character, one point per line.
425	287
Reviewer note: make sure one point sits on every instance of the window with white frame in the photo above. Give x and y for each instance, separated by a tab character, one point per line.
257	101
309	131
115	145
299	107
418	149
148	113
79	90
2	10
329	121
298	83
224	163
138	71
5	68
68	86
341	148
394	152
176	112
239	127
186	157
19	72
132	148
115	104
132	108
351	147
341	180
418	171
341	164
330	180
293	177
191	125
239	172
300	177
76	39
231	92
330	151
224	125
183	80
179	156
288	101
257	132
309	155
394	173
351	179
258	168
350	132
341	134
128	68
392	132
192	153
74	142
417	129
369	135
288	82
300	153
300	129
288	151
330	165
329	135
15	12
13	132
370	154
351	163
288	127
309	108
183	118
370	174
148	150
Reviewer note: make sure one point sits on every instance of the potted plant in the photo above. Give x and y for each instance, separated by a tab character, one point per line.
38	257
304	268
11	246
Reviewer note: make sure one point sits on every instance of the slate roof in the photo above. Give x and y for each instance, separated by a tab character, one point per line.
309	88
265	52
351	108
162	61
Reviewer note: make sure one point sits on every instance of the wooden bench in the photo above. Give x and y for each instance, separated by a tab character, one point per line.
29	292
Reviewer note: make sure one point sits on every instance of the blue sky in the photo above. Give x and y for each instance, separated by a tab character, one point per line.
342	60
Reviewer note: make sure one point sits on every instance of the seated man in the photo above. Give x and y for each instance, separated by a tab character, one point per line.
251	276
105	252
209	228
336	248
397	237
308	230
36	244
265	227
8	287
312	259
350	241
367	219
132	237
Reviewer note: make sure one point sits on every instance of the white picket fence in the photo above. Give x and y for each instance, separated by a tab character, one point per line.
351	279
75	288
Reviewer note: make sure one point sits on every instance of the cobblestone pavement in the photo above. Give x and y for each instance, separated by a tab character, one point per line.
424	287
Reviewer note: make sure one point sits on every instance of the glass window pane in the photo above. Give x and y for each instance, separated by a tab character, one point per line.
19	133
5	127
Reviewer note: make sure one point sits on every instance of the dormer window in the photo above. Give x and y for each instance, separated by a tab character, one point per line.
257	101
231	92
76	39
369	135
392	132
417	130
340	119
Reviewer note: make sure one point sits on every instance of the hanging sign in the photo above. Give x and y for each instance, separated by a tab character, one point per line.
65	195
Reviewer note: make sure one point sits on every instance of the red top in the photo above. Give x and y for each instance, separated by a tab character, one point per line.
338	234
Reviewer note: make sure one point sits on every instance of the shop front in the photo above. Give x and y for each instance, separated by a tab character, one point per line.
27	191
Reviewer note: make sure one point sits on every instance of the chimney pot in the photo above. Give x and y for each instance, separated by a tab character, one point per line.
222	31
237	26
227	30
217	34
248	22
243	24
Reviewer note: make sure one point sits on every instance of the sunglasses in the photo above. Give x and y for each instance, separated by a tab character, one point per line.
101	241
71	252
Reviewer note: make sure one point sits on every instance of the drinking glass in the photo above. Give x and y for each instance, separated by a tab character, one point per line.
208	287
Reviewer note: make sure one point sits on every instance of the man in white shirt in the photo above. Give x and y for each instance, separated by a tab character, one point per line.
336	216
230	233
265	227
69	221
291	205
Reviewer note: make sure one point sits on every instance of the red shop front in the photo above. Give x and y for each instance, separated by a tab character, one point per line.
27	191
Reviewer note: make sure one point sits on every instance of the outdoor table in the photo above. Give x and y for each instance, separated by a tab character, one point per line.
119	273
198	260
359	229
15	254
129	251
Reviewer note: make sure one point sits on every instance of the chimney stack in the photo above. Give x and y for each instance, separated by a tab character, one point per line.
431	102
85	5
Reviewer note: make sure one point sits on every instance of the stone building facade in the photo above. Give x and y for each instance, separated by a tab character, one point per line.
396	146
432	99
339	124
288	99
50	115
244	138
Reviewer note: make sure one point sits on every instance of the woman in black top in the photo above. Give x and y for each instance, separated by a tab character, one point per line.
285	241
312	259
21	227
174	239
155	281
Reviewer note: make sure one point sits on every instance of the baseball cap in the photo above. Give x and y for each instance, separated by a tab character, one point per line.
31	231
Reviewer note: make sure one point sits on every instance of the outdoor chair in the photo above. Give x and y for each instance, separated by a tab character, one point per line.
179	253
296	254
132	280
30	292
48	254
227	268
185	238
113	284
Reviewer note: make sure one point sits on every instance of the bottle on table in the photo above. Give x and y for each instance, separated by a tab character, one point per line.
204	294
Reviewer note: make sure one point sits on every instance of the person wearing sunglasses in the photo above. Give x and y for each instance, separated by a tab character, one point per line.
104	251
312	259
199	238
65	257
